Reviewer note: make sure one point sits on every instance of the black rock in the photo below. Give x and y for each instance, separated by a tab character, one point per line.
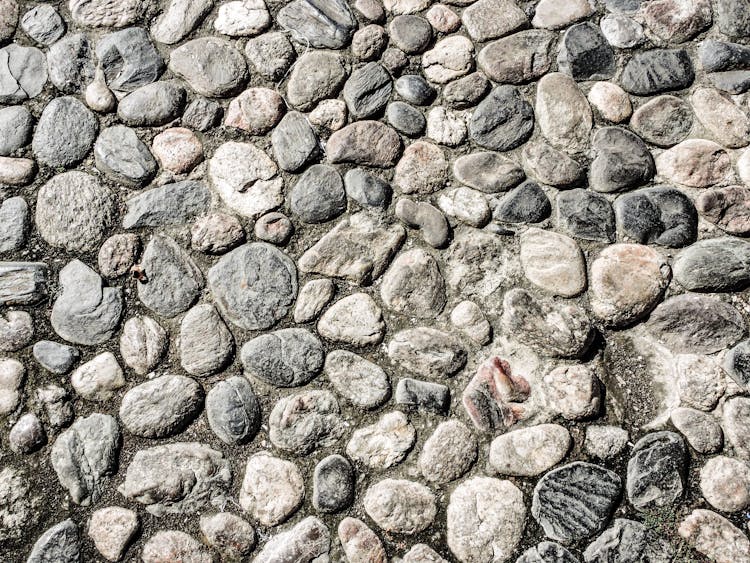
628	541
415	89
202	114
733	17
658	215
233	411
696	324
717	264
288	357
737	364
503	120
658	70
547	552
366	189
575	501
586	215
326	24
333	484
526	203
129	59
656	470
622	161
465	92
410	33
367	90
318	196
585	54
294	142
406	119
423	395
719	55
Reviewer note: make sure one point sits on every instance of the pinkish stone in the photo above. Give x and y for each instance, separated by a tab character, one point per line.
727	208
443	19
16	171
178	149
256	110
493	397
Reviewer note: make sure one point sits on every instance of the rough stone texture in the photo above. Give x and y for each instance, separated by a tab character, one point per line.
383	444
400	506
289	357
530	451
655	471
714	536
272	489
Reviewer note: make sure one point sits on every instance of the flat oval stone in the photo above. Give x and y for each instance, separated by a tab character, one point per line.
413	285
360	381
656	471
121	155
660	215
626	283
723	118
575	501
488	172
161	407
448	453
333	484
527	203
16	125
718	264
450	58
60	543
663	120
309	539
550	165
400	506
289	357
305	421
529	451
369	143
586	215
355	320
318	196
675	21
728	208
466	92
415	89
502	121
696	163
294	142
406	119
170	204
563	113
622	161
233	411
152	105
254	285
553	262
211	66
326	24
518	58
65	133
316	75
206	345
696	324
427	351
656	71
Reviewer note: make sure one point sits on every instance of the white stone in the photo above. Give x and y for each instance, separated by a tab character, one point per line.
449	59
272	489
611	101
355	320
12	374
446	126
466	205
383	444
98	379
725	483
528	452
553	262
242	18
573	391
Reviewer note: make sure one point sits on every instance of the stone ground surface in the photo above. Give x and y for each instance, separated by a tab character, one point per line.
324	280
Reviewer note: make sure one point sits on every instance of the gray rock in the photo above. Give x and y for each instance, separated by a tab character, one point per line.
448	453
294	142
586	215
737	364
367	91
65	133
305	421
720	55
410	33
718	264
333	484
118	254
201	114
384	443
161	407
152	105
71	63
61	544
254	286
318	196
22	283
326	24
415	89
233	411
663	120
622	31
735	419
216	233
585	54
628	541
605	442
575	501
16	125
488	172
55	357
21	504
696	324
367	189
16	330
27	435
84	454
274	227
206	345
23	73
430	221
43	24
121	155
656	471
557	330
183	478
14	224
74	211
316	76
701	430
170	204
112	529
369	143
422	553
271	54
178	19
211	66
368	42
660	215
85	312
272	489
290	357
428	352
466	92
551	166
57	405
232	536
306	542
129	59
518	58
502	121
622	161
400	506
656	71
413	285
733	18
406	119
526	203
547	552
361	382
173	281
423	395
167	544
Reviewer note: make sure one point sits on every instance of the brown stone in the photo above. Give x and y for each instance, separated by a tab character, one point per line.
728	208
696	163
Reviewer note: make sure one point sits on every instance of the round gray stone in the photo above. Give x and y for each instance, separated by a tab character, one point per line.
65	133
290	357
233	411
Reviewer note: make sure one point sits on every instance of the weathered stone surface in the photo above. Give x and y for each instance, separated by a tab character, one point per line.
367	90
494	396
657	71
326	24
317	75
64	133
27	435
422	169
128	59
333	484
120	154
99	378
625	539
448	453
724	119
359	542
355	320
485	520
553	262
575	501
272	489
16	331
663	120
573	391
318	196
551	15
551	166
487	19
547	552
250	301
715	536
605	442
527	203
383	444
656	471
231	535
430	221
563	113
725	483
518	58
660	215
60	543
152	104
413	285
305	421
177	478
585	54
216	233
360	381
85	454
502	121
423	553
734	422
450	58
206	344
118	254
211	66
400	506
242	18
23	73
468	317
233	411
174	280
307	542
178	19
142	344
22	283
610	101
488	172
366	142
112	529
728	208
164	545
161	407
427	351
529	451
718	264
289	357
